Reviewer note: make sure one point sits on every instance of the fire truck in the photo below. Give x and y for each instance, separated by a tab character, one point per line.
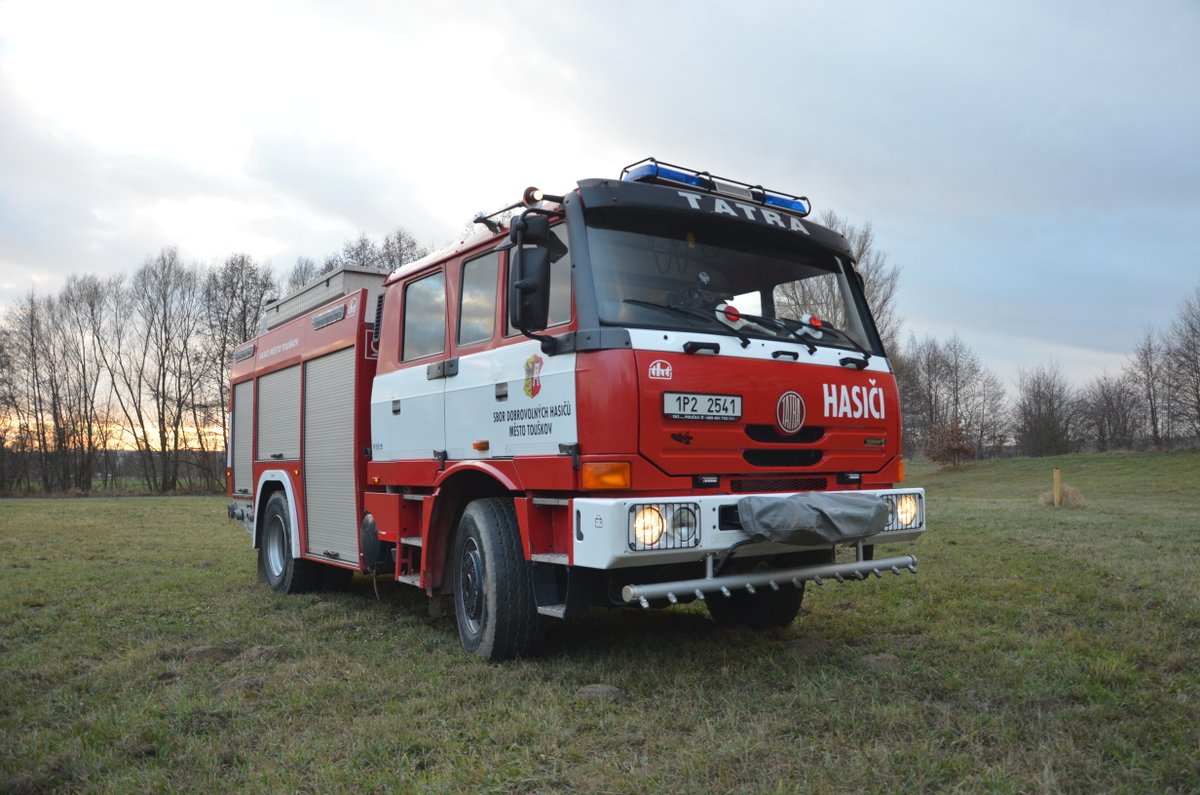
657	389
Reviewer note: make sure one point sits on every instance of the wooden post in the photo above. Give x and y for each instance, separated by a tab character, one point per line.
1057	487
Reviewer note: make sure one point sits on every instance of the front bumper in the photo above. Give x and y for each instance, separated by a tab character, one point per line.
604	537
774	580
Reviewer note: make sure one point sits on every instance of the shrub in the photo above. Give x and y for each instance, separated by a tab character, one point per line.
1071	498
949	445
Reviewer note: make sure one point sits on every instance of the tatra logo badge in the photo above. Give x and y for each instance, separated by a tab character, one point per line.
789	413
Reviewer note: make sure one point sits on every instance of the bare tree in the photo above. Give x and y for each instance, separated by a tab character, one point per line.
85	387
1046	413
233	298
946	392
1146	373
149	335
1185	356
303	272
1112	411
881	280
400	248
361	253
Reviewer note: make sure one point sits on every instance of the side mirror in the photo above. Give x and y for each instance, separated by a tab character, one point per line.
529	288
530	229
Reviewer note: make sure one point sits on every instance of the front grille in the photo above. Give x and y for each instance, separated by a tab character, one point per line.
781	458
745	485
769	434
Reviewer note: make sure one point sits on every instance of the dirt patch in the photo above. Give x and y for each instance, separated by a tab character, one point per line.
223	653
241	684
809	648
258	654
600	692
880	662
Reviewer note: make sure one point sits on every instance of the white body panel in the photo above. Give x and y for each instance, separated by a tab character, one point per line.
673	342
601	533
419	426
536	417
452	414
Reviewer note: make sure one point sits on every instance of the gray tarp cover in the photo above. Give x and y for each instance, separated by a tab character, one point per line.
813	518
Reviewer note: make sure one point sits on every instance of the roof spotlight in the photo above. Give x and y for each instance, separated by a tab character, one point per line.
534	195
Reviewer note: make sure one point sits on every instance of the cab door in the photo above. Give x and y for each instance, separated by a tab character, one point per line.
474	391
408	419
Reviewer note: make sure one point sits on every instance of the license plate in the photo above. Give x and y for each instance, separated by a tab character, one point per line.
694	406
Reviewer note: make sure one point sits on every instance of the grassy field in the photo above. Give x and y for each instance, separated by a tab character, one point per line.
1038	650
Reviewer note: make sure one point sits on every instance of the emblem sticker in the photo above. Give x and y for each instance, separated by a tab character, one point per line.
533	375
660	370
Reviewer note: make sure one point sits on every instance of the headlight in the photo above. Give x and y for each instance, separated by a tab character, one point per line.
648	526
664	525
906	509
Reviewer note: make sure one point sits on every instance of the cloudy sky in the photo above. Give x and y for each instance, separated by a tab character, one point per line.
1031	166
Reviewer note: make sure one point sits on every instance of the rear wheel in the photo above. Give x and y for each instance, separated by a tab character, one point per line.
493	585
283	572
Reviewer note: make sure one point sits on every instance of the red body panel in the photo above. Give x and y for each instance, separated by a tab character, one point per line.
294	343
755	443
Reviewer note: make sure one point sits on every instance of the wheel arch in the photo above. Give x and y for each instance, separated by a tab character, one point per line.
454	491
269	482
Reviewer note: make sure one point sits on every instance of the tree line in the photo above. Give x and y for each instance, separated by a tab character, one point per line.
957	410
122	383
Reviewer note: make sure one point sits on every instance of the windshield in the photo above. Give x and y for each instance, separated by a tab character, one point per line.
664	271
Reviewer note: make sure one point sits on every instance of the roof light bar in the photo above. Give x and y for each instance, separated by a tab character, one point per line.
653	172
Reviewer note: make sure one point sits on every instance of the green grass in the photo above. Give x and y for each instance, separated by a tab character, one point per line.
1037	650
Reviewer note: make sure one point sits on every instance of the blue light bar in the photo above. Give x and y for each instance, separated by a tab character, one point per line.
652	171
796	205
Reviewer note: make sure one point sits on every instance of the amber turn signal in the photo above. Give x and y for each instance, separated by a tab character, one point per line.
606	475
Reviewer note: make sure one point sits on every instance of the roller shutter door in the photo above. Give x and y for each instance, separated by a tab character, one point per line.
329	486
279	415
242	438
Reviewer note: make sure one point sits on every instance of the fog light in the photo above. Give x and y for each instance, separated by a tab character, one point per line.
684	525
648	526
906	509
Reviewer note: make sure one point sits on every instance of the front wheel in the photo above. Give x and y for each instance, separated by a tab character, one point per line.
766	609
493	585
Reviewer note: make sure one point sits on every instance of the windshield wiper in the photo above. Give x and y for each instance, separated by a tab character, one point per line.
687	311
796	333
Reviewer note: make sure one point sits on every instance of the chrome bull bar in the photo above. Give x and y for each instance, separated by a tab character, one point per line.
752	580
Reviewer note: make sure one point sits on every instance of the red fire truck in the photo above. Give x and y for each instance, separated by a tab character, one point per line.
650	390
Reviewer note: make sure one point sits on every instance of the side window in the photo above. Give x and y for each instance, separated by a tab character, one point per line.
425	317
560	279
477	305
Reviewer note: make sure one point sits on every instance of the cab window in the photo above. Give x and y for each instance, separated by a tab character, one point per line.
477	302
425	317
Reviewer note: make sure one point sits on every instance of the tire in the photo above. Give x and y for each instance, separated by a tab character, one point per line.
283	572
493	584
766	609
